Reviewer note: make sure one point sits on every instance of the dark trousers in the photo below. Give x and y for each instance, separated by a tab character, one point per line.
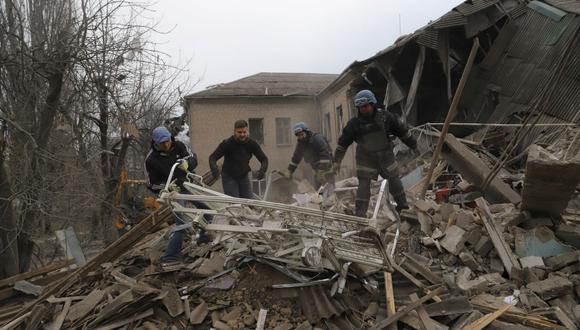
173	248
237	187
369	166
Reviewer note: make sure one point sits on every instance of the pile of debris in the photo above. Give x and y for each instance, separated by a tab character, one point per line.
454	261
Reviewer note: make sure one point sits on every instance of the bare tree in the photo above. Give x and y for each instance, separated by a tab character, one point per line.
85	64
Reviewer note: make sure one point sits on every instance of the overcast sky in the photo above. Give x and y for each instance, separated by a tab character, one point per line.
229	39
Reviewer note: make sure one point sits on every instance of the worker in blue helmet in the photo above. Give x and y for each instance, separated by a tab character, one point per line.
374	130
165	152
315	150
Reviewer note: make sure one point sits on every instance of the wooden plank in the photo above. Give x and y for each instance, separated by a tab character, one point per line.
412	306
509	260
422	270
113	307
390	293
423	316
487	319
60	319
37	272
85	306
126	321
450	306
415	82
416	189
451	113
475	170
113	251
534	321
15	322
261	322
412	279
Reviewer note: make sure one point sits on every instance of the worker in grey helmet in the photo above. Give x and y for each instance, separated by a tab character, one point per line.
315	150
374	130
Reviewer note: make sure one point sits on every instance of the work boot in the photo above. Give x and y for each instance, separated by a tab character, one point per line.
203	237
401	201
361	208
399	208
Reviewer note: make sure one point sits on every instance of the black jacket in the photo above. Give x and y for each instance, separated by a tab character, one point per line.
158	165
315	150
382	123
237	157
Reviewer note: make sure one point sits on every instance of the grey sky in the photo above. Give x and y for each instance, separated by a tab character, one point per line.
229	39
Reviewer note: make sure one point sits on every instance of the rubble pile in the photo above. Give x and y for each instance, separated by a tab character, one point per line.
454	261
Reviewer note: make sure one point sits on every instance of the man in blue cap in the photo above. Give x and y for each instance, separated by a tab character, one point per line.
374	130
166	151
315	150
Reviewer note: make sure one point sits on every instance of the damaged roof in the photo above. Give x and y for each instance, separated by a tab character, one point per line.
269	84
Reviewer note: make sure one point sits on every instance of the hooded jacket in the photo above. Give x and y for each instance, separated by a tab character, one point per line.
158	165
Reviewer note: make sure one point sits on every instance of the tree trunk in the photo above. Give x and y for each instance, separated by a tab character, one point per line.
8	230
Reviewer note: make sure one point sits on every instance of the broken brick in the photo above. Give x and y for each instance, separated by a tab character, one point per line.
483	246
551	287
454	240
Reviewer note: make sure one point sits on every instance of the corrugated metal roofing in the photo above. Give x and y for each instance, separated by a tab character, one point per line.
317	304
270	84
518	11
572	6
471	7
450	19
429	38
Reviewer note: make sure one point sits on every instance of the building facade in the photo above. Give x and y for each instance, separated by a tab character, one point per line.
271	103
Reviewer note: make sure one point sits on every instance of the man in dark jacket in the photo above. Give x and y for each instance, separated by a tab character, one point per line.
166	151
373	130
237	152
315	150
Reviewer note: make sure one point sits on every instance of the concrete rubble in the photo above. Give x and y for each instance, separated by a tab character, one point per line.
284	266
492	244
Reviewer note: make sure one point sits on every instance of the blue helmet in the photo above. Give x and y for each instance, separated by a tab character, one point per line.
364	97
161	134
299	127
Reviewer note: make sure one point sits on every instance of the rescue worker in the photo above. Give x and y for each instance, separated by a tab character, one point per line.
165	152
315	150
373	130
237	152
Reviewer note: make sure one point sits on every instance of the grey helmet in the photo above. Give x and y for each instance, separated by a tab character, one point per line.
364	97
300	127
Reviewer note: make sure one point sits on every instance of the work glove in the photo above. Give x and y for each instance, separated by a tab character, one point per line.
286	174
174	187
258	175
183	166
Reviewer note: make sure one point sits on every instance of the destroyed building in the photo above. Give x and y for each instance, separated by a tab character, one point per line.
491	240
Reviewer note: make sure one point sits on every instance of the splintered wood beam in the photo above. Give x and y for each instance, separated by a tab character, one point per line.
487	319
451	113
390	293
508	259
428	323
37	272
116	249
412	306
415	82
